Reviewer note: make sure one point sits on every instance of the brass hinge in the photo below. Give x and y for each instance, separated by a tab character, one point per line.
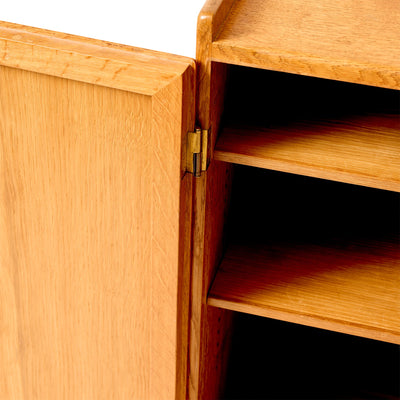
197	151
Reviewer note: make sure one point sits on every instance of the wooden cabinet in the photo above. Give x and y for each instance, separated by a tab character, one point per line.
124	276
306	153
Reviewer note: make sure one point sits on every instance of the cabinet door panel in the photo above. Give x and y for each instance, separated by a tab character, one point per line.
95	214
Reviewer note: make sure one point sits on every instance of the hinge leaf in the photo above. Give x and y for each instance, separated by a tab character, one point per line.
197	151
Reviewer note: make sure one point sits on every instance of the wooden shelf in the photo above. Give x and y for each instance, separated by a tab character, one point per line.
351	289
362	150
312	252
353	41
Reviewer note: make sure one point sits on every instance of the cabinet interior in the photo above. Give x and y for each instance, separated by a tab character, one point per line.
312	251
312	237
271	359
311	126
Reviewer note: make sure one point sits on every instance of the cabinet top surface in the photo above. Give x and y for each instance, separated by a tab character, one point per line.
88	60
310	35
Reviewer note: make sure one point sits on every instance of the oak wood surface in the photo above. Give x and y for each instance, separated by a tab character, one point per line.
95	220
88	60
344	40
210	20
209	327
362	150
352	289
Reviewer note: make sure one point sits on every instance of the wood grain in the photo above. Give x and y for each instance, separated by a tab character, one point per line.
362	150
210	20
348	41
209	327
353	289
210	332
187	87
95	212
88	60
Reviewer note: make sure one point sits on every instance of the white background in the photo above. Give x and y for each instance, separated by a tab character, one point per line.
164	25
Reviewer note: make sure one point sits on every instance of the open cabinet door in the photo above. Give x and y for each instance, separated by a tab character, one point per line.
95	218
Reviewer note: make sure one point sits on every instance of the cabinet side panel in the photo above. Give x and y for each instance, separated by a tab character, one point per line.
80	265
209	327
